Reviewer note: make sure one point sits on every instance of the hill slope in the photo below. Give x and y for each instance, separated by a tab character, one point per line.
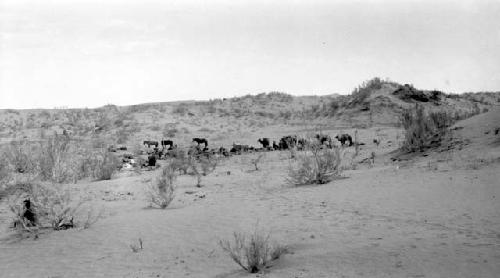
224	121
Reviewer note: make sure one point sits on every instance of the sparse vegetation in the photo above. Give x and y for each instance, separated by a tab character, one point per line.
52	204
19	155
315	166
423	130
57	160
253	253
162	192
101	164
136	247
256	161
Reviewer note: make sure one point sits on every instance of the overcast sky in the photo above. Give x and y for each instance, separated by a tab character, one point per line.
79	53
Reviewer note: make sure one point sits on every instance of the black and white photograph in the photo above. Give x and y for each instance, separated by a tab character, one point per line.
250	138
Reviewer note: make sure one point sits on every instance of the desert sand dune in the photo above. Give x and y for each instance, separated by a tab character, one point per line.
395	219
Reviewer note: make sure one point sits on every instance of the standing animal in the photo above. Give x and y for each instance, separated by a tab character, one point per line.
150	143
288	142
275	146
264	142
165	143
239	149
344	138
324	139
201	141
152	160
223	151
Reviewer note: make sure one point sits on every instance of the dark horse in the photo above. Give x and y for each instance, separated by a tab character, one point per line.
151	143
201	141
265	142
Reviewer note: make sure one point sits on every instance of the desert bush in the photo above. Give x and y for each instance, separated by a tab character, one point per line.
19	222
201	166
207	164
253	253
19	155
181	109
170	130
161	193
53	205
423	130
122	136
362	92
315	166
105	165
136	247
92	217
5	176
256	161
99	164
57	160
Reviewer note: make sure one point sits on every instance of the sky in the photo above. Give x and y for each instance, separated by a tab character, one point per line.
76	53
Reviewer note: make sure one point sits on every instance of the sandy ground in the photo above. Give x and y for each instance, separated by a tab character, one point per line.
431	217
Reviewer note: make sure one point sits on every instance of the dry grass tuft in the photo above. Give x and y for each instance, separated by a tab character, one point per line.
253	253
256	161
136	247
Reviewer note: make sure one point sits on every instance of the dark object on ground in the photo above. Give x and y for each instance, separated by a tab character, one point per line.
265	142
152	160
324	138
201	141
275	146
169	143
239	149
288	142
151	143
223	151
29	214
343	138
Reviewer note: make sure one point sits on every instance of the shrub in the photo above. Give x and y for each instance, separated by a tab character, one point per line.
423	130
18	154
53	206
136	247
180	163
161	193
5	176
181	109
315	166
207	164
54	161
252	253
256	161
201	166
105	165
362	92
